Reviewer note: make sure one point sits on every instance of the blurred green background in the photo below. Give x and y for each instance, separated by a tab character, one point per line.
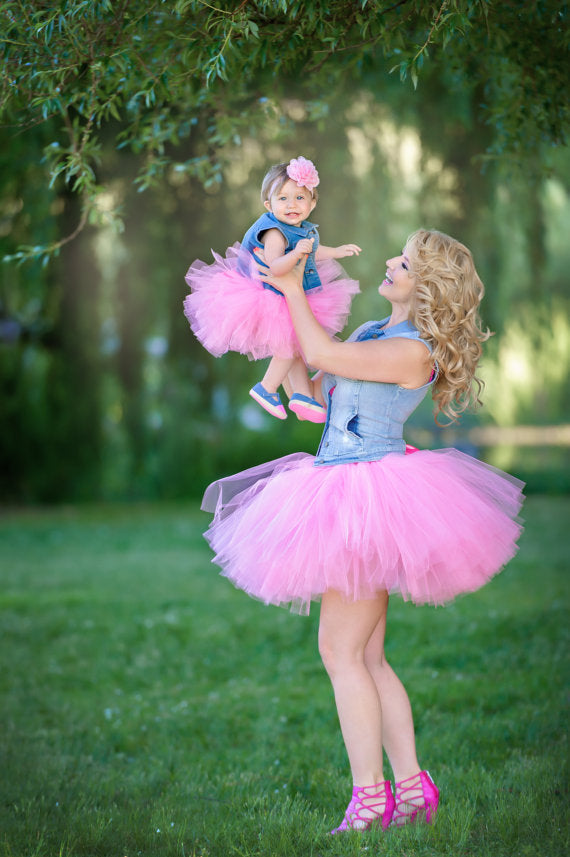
140	689
105	393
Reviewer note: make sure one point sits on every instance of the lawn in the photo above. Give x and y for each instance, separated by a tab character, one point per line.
149	708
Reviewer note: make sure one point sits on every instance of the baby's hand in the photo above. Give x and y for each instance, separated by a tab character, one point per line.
304	246
347	250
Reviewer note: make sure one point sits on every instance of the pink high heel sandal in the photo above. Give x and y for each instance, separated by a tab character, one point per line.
415	796
377	800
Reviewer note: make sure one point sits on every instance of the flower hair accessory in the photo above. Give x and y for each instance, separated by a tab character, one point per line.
303	172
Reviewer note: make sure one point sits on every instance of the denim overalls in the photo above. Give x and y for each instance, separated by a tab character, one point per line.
292	235
365	419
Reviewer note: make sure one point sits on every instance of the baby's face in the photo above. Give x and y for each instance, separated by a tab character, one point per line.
291	204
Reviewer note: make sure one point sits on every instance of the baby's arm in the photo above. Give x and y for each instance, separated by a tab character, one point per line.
324	252
273	248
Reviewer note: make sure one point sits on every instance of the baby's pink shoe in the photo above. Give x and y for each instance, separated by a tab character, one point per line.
270	401
307	408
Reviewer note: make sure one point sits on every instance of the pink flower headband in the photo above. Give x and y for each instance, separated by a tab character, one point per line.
303	172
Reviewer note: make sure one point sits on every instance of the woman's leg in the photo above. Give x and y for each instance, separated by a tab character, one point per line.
397	723
417	796
344	632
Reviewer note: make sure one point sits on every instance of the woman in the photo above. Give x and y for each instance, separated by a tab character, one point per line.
362	519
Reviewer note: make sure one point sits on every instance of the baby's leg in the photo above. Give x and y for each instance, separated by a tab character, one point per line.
316	383
298	378
301	392
276	373
295	379
315	387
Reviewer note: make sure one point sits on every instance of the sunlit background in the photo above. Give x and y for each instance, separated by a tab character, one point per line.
106	393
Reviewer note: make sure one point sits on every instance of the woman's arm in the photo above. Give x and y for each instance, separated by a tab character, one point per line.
399	361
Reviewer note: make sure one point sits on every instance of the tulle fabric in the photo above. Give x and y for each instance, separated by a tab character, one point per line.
430	526
230	311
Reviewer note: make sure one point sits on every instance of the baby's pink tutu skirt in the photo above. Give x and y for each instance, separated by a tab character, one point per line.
230	311
429	526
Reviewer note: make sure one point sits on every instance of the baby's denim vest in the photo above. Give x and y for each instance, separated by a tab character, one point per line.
292	235
365	419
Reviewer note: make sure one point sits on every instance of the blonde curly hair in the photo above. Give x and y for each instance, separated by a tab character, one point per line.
446	312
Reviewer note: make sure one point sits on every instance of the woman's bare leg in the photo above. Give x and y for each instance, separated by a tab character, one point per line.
397	722
344	632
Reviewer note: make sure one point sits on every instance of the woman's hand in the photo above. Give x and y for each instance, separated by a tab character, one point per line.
284	283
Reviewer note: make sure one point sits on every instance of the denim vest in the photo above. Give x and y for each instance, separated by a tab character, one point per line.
292	235
365	419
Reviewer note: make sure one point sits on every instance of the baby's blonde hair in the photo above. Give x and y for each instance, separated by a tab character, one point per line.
446	312
275	178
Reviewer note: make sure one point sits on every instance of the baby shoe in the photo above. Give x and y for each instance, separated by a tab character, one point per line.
307	408
270	401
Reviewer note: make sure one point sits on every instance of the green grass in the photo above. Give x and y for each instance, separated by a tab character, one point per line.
149	708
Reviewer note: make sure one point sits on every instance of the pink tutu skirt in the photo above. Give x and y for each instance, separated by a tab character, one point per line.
430	526
230	311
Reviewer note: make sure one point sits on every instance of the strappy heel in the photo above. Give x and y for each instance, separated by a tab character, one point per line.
417	797
370	806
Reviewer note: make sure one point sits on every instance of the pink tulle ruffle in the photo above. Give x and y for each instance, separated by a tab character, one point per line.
230	311
429	526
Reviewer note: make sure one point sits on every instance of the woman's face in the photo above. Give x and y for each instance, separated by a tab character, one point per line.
399	284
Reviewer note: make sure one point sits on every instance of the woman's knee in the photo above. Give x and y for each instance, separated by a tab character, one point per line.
375	660
327	651
338	653
346	630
